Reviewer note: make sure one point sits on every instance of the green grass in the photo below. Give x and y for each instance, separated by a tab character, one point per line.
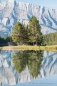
24	47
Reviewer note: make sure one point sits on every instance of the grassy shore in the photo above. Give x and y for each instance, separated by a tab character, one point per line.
24	47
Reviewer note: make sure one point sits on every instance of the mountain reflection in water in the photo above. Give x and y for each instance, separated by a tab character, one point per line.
25	66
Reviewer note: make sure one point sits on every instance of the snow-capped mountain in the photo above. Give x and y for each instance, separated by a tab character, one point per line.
9	75
12	11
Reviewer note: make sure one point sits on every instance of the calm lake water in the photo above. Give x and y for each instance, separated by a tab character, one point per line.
26	66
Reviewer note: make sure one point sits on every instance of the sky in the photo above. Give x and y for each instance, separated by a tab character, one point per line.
47	3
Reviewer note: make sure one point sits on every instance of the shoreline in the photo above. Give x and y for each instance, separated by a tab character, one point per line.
25	47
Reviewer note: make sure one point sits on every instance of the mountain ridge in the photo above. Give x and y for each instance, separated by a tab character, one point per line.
14	11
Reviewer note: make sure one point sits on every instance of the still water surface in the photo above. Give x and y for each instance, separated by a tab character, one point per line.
26	66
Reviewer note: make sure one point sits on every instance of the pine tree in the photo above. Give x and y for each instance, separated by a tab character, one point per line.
19	34
34	31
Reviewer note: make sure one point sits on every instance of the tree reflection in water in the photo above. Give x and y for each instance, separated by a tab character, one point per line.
32	59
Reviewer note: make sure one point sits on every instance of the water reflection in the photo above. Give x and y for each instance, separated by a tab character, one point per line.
32	59
29	64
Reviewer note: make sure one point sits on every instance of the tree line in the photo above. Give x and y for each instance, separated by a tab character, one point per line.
29	35
4	41
50	39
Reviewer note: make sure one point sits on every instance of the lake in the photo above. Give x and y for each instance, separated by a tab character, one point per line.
17	67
